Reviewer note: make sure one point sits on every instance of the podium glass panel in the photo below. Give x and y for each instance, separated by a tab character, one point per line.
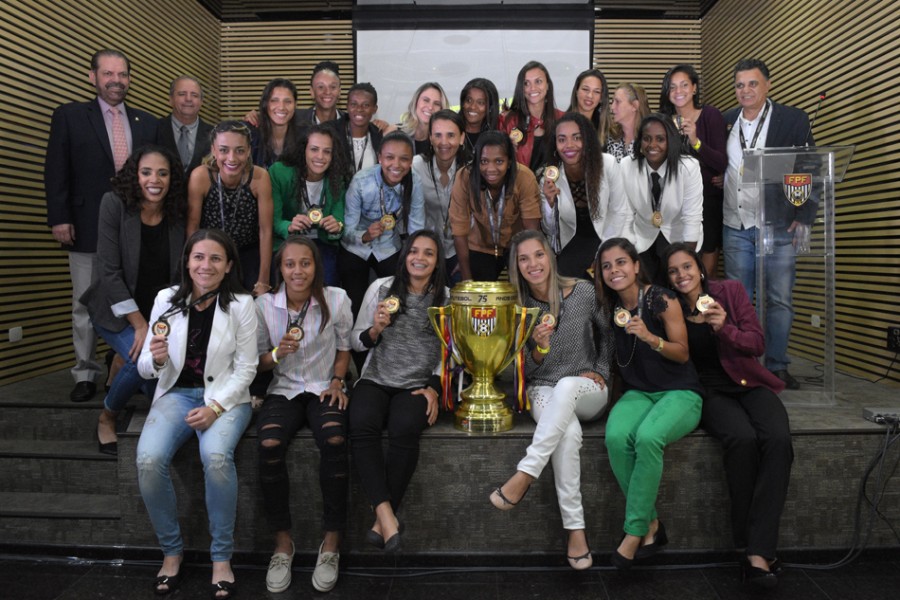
795	261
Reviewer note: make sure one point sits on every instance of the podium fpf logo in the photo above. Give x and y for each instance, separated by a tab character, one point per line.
483	321
797	187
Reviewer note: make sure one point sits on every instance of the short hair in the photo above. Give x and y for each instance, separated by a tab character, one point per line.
665	105
231	285
364	86
325	65
185	78
748	64
95	58
446	114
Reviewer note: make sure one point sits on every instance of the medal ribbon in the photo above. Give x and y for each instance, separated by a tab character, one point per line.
522	403
759	127
495	224
177	309
298	322
446	365
362	154
438	188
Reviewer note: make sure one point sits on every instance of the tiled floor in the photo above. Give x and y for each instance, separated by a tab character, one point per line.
874	577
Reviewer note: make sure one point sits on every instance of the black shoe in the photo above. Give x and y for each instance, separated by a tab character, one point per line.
620	562
788	379
374	538
83	391
660	539
172	583
757	577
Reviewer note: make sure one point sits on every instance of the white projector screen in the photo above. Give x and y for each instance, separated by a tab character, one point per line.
397	62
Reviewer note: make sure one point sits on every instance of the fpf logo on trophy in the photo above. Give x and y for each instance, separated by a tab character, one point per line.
484	320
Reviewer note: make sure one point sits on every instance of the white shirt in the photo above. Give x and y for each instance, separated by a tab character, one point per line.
742	204
437	199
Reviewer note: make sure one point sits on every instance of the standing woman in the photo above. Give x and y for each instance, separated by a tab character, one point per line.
436	169
307	389
492	199
742	409
532	114
703	128
665	191
277	128
139	243
590	97
479	105
204	364
629	106
586	203
427	100
229	193
400	382
662	401
566	369
308	194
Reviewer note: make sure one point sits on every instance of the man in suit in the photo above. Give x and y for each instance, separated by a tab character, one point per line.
89	142
761	123
183	131
325	88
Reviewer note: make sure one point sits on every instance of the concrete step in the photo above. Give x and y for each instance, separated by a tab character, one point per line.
56	466
59	506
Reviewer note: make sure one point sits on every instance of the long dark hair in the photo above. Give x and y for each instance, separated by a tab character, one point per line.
665	105
606	296
600	118
231	285
673	144
591	157
406	184
126	186
491	97
400	285
662	274
266	152
476	185
519	105
334	175
318	284
462	155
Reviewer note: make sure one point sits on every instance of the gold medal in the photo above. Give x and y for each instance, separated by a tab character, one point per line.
389	222
296	332
392	304
315	215
516	136
548	319
657	218
551	173
678	120
703	303
622	317
161	327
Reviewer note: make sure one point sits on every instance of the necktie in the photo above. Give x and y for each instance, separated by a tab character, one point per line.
656	189
184	147
120	141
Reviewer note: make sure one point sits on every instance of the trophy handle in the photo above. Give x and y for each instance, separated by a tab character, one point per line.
533	313
433	313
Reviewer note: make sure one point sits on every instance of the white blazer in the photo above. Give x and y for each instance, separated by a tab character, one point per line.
681	203
231	356
614	218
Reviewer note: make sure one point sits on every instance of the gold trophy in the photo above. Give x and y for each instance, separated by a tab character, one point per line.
484	326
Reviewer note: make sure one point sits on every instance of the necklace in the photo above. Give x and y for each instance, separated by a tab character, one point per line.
634	339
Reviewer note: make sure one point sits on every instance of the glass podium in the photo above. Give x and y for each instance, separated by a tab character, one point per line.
795	263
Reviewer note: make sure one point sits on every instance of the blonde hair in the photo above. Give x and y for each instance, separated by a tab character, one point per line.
635	93
557	281
409	122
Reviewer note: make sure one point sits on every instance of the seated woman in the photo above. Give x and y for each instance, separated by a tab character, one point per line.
203	354
479	105
308	194
436	169
590	97
492	199
566	369
275	126
741	408
531	115
665	192
400	382
629	106
586	202
384	203
228	192
140	236
307	389
427	100
662	400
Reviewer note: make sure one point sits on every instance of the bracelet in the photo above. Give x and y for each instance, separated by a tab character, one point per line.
660	345
216	409
262	284
275	354
162	366
697	145
542	350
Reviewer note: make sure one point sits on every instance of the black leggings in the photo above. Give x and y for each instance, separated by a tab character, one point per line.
279	420
355	274
373	406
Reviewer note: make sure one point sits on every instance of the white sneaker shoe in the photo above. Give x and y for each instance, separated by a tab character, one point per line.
278	577
325	575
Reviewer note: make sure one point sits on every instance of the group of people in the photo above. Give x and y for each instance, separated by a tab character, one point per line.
235	260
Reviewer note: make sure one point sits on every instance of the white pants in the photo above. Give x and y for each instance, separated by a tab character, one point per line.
84	338
557	438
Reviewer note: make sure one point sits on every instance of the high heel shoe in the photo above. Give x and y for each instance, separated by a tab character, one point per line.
660	539
620	562
757	577
500	501
172	583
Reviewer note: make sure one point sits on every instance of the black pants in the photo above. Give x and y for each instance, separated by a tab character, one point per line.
651	259
487	267
576	258
355	274
756	436
280	419
385	479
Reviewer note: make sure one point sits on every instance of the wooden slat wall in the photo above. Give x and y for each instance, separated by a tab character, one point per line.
45	50
255	53
851	50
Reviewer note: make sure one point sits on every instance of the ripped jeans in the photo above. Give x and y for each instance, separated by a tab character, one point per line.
164	433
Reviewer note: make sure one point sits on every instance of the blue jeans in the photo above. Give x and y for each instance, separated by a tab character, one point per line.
164	433
127	381
739	248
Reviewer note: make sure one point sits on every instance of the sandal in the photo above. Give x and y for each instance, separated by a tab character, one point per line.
172	583
228	587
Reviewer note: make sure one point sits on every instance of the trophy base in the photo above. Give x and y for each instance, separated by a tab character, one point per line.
483	410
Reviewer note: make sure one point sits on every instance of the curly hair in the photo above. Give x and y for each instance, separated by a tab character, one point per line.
591	157
127	186
337	171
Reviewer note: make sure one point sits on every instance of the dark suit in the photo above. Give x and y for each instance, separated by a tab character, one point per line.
307	116
375	137
165	137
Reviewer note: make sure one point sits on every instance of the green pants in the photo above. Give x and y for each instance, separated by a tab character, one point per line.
640	426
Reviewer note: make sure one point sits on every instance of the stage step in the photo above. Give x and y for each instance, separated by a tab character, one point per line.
56	466
58	506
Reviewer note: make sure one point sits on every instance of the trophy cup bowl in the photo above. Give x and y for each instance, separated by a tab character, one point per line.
484	327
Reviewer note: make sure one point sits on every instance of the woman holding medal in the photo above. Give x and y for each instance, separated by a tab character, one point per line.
436	169
400	383
665	192
492	199
590	97
203	354
303	337
629	106
479	105
139	244
427	100
583	199
566	369
741	409
531	115
228	192
662	401
308	194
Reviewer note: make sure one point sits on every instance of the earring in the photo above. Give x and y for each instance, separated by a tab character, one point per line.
702	277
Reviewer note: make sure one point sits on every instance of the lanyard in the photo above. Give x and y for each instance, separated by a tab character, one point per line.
438	189
304	196
301	316
176	309
492	221
759	127
222	201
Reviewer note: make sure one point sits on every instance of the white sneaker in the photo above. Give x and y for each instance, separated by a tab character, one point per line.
278	577
325	575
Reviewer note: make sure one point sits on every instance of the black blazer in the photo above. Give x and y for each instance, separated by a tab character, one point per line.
165	137
307	116
79	165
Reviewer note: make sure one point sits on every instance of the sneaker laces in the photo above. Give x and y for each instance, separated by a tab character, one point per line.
329	558
279	560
